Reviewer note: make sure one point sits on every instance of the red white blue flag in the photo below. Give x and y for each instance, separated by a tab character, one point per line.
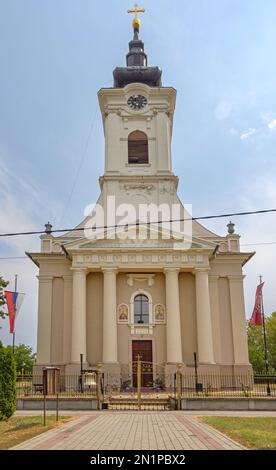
14	301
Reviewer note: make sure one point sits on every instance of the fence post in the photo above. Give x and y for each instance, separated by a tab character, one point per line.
178	385
44	410
99	386
139	381
57	408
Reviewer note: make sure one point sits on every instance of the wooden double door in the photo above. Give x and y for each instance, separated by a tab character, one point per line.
143	349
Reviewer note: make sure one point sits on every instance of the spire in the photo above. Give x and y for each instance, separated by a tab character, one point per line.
136	56
136	69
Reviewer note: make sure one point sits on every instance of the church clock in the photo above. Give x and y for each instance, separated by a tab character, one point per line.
137	101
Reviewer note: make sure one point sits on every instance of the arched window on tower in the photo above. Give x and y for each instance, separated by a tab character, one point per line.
138	148
141	309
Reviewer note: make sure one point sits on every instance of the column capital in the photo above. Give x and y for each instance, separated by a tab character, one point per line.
45	278
201	270
110	270
214	277
236	278
79	270
171	270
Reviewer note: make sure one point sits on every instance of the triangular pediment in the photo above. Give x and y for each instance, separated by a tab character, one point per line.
157	238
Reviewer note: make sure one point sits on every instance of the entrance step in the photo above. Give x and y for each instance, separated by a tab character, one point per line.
153	404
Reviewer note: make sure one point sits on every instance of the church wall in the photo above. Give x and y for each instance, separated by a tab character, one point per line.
57	321
124	293
54	267
160	344
187	297
225	268
123	344
94	319
50	337
227	353
117	153
147	128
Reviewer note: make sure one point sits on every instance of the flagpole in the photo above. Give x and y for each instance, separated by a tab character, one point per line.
13	335
265	342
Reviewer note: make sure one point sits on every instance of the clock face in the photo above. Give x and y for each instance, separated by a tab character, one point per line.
137	102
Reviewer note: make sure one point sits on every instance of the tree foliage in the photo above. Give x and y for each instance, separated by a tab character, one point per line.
7	384
256	345
24	357
3	285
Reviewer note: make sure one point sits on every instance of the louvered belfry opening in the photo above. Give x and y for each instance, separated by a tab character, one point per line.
138	149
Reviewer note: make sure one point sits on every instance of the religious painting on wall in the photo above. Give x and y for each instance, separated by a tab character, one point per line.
123	313
159	313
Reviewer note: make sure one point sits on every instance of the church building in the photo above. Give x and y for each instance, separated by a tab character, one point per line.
110	298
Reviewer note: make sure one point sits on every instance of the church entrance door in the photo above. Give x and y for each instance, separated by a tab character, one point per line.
143	348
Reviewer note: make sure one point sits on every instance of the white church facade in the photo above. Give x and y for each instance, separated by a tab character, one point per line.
110	298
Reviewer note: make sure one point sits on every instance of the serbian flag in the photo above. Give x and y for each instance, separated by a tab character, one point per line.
256	318
14	301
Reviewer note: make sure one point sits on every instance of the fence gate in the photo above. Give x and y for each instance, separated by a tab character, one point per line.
140	385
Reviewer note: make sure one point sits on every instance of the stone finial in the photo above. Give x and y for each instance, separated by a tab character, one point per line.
231	228
48	228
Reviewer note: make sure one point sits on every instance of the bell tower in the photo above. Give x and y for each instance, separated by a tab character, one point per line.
137	115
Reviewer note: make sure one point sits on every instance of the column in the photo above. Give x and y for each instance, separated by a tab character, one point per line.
238	320
174	344
44	332
67	317
215	314
110	353
203	318
79	316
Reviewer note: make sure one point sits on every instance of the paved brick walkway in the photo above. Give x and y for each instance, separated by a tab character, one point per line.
137	431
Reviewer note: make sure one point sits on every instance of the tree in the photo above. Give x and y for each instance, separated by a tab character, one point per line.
3	285
24	358
256	345
271	340
7	384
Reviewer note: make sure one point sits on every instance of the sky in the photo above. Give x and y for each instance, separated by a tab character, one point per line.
55	56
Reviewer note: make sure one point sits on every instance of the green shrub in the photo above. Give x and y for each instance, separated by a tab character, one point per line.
7	384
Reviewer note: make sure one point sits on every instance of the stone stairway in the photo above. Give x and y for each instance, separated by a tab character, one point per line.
147	404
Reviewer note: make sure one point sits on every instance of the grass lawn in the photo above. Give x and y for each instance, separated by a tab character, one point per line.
20	428
253	433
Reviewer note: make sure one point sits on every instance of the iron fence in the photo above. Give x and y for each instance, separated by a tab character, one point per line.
155	381
228	386
70	386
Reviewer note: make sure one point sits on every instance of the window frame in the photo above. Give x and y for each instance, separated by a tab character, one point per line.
133	149
150	307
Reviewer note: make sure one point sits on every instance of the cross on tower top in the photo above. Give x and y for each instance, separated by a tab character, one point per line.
136	21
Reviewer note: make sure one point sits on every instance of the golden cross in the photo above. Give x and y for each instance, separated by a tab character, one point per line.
136	21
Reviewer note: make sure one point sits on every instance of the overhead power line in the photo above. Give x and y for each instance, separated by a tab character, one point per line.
242	244
80	165
103	227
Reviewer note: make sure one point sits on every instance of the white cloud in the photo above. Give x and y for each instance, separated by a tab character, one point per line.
233	131
245	135
272	125
223	110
